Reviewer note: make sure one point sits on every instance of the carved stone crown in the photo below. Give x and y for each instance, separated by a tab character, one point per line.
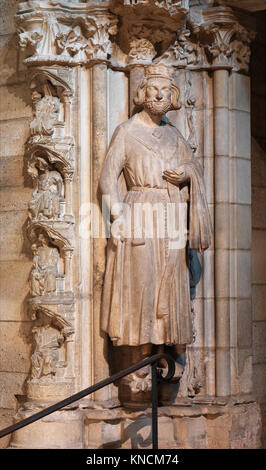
159	71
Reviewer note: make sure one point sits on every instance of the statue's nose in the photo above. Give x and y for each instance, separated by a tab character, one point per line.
159	96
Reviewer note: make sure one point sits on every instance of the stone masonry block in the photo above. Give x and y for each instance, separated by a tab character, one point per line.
15	102
15	346
258	257
259	342
12	230
13	135
14	277
259	302
11	384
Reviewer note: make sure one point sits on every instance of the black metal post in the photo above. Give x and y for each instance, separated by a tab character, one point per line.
154	406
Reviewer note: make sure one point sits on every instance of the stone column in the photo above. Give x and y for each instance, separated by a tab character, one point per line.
68	177
208	257
67	114
68	252
222	230
85	239
228	48
99	148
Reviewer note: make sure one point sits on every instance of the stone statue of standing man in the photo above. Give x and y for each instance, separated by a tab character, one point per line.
146	298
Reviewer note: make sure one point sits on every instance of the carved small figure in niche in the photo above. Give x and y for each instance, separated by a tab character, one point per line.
44	271
146	297
46	358
45	203
46	115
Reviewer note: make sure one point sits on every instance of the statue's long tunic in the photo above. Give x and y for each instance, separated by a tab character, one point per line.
146	287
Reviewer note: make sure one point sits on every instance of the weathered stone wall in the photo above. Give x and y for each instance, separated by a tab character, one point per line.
15	263
258	175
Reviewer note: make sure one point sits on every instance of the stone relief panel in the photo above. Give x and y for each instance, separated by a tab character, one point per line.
45	267
45	203
49	157
51	359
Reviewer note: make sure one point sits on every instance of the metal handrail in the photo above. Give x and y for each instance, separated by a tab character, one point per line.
157	376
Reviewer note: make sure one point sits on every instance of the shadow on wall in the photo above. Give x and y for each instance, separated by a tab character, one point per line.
138	440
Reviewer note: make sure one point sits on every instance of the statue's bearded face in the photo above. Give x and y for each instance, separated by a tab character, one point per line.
158	96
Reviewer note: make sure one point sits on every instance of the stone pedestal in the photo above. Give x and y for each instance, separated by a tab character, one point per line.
190	424
60	430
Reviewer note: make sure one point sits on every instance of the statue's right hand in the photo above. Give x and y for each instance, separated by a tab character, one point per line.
118	229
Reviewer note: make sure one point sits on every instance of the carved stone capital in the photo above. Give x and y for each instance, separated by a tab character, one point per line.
65	33
226	42
185	52
148	28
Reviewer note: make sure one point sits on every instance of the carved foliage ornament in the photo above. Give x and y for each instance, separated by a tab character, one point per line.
62	37
172	6
141	50
183	52
228	45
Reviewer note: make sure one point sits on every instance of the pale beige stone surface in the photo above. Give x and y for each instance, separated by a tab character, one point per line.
222	214
240	280
239	94
13	136
15	273
15	102
8	60
222	193
240	132
15	359
61	430
222	139
6	419
11	223
240	226
196	427
15	199
8	10
11	171
11	384
240	181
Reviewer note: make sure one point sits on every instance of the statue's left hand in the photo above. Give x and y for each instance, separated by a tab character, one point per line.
178	176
